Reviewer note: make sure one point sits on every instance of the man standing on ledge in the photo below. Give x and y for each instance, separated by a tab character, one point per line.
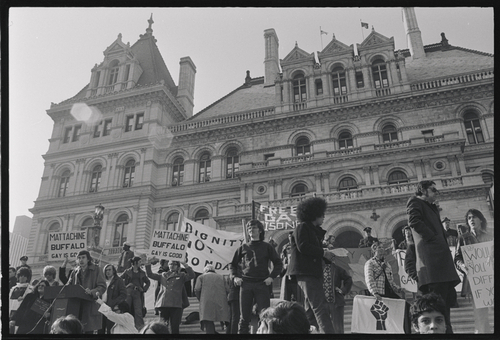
434	264
255	278
125	257
306	261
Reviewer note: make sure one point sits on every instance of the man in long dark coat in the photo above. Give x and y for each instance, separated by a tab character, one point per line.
434	264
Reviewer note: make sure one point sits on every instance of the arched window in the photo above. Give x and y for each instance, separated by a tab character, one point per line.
128	178
201	216
339	82
397	177
178	172
299	190
473	128
173	221
233	163
113	73
299	88
302	146
345	140
120	233
348	239
89	222
96	178
379	72
56	226
63	184
389	133
348	183
205	168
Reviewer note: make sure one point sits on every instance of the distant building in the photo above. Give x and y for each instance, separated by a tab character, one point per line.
359	130
19	240
22	226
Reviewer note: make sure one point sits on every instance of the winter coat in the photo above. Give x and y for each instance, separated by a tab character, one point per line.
124	260
93	279
211	289
410	262
27	319
116	291
172	284
342	280
127	278
434	262
307	250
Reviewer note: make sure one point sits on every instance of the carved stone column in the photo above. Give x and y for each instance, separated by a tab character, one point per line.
326	182
366	172
317	181
461	164
376	180
418	169
279	188
453	165
427	167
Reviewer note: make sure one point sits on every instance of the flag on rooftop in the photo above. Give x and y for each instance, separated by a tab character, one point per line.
364	24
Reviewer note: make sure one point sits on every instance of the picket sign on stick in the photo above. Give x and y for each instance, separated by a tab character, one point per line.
66	244
168	245
478	259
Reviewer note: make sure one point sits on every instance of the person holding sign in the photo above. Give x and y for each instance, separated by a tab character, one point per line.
137	283
306	261
255	278
170	297
478	233
33	314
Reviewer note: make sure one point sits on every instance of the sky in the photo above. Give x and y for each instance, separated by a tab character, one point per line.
52	51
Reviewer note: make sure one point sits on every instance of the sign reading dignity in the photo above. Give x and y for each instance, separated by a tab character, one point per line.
169	245
66	244
478	259
210	246
278	218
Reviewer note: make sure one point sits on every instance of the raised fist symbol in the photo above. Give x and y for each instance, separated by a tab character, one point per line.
379	311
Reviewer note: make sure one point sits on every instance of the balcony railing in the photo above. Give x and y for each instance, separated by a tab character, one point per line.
392	145
297	159
383	92
344	152
452	182
299	106
341	99
459	79
398	188
434	139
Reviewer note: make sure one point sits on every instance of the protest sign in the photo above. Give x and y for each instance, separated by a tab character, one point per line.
209	246
66	244
478	259
278	218
406	281
372	316
169	245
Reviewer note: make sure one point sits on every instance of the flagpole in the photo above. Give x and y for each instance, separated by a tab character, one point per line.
321	37
362	30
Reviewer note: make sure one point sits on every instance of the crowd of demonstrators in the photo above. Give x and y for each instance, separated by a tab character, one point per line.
368	240
90	277
477	233
115	294
306	261
68	324
137	283
255	257
211	290
380	280
32	320
427	314
434	264
336	283
170	297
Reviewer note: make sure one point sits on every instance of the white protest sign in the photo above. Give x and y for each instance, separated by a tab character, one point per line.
278	218
66	244
210	246
169	245
478	259
406	281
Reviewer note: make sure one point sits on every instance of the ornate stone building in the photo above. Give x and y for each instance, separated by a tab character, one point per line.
358	125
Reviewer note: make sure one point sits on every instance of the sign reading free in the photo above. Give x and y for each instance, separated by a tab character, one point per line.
169	245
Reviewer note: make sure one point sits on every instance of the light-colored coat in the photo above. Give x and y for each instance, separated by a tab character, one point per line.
433	257
124	322
172	284
211	289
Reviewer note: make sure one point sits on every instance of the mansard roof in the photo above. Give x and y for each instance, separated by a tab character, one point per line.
442	61
252	96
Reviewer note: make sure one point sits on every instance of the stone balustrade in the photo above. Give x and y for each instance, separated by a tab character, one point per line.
297	159
392	145
459	79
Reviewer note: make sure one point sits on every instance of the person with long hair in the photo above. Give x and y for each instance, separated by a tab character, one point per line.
137	283
67	324
286	317
33	320
114	294
477	233
306	261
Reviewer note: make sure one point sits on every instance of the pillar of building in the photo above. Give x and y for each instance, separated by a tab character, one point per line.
243	197
271	190
461	164
427	167
189	171
418	168
366	172
218	168
326	182
279	188
453	165
376	180
317	180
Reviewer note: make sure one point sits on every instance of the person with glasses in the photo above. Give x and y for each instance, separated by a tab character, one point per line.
434	263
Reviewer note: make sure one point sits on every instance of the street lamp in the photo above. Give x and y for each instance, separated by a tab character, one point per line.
96	228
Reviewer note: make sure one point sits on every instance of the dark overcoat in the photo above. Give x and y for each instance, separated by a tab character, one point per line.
116	291
307	250
93	278
433	257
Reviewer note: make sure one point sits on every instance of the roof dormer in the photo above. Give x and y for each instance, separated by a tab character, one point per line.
118	71
297	59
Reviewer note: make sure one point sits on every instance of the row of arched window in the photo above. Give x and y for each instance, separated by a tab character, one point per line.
340	82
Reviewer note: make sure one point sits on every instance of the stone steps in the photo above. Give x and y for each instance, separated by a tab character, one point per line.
462	318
